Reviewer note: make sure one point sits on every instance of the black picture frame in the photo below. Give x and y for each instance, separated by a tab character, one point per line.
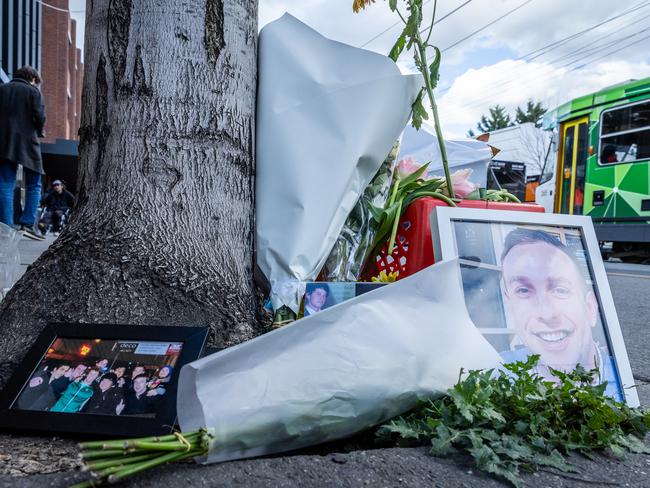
96	425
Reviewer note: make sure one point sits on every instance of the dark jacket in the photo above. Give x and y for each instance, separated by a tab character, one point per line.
137	405
22	118
58	201
103	402
31	394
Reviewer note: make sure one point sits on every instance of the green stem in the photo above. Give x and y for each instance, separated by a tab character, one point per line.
433	21
86	484
434	108
88	455
157	443
393	194
163	446
393	232
513	198
108	463
435	194
100	476
120	443
163	459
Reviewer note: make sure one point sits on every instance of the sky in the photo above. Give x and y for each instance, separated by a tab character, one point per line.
547	50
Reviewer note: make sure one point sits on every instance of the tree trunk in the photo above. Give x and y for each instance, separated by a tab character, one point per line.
162	231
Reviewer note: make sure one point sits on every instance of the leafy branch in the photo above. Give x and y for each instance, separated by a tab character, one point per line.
514	419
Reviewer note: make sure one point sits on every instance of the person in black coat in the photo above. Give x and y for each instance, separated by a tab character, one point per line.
57	203
106	397
21	124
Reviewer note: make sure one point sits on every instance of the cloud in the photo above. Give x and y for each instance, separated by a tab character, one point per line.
511	83
483	70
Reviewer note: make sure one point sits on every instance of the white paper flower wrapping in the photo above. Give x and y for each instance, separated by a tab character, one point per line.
335	373
327	116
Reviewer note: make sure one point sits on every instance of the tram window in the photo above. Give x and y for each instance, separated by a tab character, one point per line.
625	134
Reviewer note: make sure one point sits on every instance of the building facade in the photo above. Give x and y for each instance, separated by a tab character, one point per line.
42	35
20	36
62	72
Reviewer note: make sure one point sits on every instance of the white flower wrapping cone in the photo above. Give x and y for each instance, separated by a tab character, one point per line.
327	116
335	373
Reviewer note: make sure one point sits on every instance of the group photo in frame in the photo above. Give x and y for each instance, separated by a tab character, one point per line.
535	283
100	379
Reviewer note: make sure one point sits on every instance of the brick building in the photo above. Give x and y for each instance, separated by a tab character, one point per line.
62	72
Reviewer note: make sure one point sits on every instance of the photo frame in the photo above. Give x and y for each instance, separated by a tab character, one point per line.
535	283
103	380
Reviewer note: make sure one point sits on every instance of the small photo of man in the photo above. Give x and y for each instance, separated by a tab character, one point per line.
320	295
316	298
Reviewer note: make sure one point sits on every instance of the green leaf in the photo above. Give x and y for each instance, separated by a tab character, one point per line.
555	460
377	212
398	47
402	429
413	177
414	19
419	112
434	68
441	443
474	195
634	444
392	4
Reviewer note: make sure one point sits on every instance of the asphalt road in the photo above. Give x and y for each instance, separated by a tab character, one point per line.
630	285
328	466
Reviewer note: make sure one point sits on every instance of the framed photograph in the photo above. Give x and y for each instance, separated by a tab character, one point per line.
320	295
535	284
100	380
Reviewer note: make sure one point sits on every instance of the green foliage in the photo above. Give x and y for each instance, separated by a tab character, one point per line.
515	420
499	119
533	113
403	192
356	238
411	39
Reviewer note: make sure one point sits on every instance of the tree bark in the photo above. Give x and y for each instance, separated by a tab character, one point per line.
162	231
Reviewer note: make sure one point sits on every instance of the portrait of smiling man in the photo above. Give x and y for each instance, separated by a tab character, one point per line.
552	308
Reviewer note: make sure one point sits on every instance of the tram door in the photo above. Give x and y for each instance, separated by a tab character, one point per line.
572	165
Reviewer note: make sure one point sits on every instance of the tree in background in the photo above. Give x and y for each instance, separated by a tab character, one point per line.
162	231
499	119
534	113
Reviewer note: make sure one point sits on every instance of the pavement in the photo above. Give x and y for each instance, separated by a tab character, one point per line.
31	462
31	249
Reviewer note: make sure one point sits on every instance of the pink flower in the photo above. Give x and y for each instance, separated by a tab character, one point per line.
407	166
462	185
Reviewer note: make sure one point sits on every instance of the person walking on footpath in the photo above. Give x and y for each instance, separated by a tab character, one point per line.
21	124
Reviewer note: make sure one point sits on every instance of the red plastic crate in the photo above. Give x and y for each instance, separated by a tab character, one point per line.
413	249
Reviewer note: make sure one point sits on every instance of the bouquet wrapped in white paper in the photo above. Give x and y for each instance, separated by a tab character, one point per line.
336	373
327	116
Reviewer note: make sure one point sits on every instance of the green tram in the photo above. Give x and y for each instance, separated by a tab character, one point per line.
603	165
